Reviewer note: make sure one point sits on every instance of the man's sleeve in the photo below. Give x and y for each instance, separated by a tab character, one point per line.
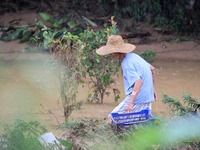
132	77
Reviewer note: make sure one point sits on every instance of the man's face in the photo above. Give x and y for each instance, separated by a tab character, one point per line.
115	56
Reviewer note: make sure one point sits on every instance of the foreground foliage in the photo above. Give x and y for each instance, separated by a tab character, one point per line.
176	134
22	135
190	105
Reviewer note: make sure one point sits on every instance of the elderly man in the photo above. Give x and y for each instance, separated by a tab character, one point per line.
137	73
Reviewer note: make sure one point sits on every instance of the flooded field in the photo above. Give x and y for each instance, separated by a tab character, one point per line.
24	86
29	90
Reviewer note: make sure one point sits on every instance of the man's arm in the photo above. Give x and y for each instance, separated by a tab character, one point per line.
135	92
153	70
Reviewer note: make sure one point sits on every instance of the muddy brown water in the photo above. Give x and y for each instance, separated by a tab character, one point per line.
29	90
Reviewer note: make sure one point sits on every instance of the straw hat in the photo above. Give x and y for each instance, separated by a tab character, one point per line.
115	44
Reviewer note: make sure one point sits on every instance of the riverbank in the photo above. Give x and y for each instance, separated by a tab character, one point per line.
166	46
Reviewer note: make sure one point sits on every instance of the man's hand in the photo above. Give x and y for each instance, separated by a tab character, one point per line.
153	70
129	107
155	96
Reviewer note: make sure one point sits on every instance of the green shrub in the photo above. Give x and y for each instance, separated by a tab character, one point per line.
100	69
147	54
65	63
78	53
26	136
22	135
190	105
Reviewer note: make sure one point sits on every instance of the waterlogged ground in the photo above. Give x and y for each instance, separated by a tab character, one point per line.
174	78
25	88
29	88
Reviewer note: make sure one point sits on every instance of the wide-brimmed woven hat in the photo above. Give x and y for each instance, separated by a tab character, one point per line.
115	44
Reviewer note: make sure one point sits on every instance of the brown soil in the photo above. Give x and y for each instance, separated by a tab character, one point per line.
25	17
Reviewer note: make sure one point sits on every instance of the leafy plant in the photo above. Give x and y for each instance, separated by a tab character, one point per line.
65	143
99	68
180	16
68	89
23	34
22	135
66	53
27	136
147	54
181	133
91	134
190	106
171	134
78	53
53	24
192	103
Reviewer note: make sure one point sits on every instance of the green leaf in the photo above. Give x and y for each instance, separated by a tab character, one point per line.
25	37
90	22
47	18
117	98
56	25
40	25
97	60
89	95
84	58
65	143
15	35
72	24
102	78
108	76
46	35
57	35
25	30
82	81
44	16
63	20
